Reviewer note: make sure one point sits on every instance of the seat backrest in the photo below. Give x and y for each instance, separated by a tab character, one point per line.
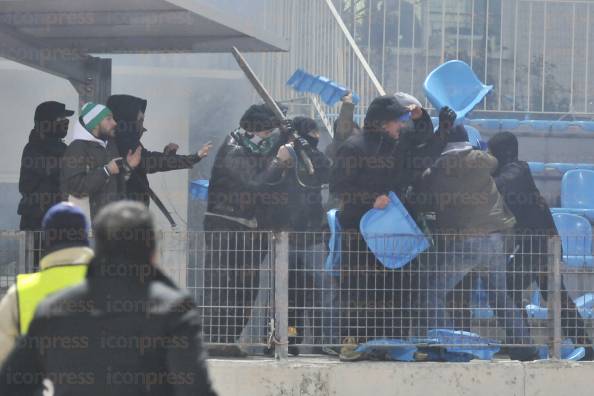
453	84
575	232
577	189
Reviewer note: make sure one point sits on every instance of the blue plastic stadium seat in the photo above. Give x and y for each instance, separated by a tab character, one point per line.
536	167
577	192
465	342
330	92
584	305
560	125
392	234
199	190
563	167
568	351
454	84
485	123
391	349
576	238
536	124
509	124
587	126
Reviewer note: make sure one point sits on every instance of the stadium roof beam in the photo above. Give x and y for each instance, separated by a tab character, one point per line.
59	36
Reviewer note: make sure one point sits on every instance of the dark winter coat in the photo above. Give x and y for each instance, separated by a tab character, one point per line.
125	110
39	181
516	185
365	168
303	209
83	173
119	336
241	184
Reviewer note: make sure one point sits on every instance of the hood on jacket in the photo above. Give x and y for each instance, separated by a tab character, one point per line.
504	147
125	110
81	133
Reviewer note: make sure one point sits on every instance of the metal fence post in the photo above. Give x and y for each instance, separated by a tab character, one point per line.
554	295
281	294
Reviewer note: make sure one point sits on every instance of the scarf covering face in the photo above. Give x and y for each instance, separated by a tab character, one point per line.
259	146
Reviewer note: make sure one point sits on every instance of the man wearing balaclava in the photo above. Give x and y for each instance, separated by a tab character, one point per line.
363	174
302	214
534	225
39	182
128	112
246	168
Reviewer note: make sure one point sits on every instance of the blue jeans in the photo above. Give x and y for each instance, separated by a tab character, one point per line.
447	265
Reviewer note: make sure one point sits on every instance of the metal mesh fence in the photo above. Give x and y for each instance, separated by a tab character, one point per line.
230	277
319	289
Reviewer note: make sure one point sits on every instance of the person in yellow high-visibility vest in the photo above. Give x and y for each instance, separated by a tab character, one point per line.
67	254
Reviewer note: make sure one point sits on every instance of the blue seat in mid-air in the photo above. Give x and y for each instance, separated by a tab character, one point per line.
454	84
329	91
392	234
576	237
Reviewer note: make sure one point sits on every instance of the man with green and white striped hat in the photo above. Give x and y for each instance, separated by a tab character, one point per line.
93	173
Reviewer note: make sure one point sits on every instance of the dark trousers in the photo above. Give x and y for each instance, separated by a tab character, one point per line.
313	290
530	265
234	254
375	301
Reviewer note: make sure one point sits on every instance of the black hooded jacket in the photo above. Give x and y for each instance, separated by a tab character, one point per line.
516	185
39	181
118	326
365	167
125	110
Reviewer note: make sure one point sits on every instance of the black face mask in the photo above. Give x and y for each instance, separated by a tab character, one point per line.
54	129
313	141
61	129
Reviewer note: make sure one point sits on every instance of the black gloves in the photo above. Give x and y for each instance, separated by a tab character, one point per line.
447	117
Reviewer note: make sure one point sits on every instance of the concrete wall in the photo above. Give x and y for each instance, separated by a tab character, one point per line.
316	377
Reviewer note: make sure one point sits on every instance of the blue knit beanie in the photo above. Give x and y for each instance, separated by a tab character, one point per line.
64	225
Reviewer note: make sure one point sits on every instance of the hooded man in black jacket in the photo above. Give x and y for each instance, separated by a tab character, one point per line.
365	171
128	112
39	181
243	188
534	226
126	330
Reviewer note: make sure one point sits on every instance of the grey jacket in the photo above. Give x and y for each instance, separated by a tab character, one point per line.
83	170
